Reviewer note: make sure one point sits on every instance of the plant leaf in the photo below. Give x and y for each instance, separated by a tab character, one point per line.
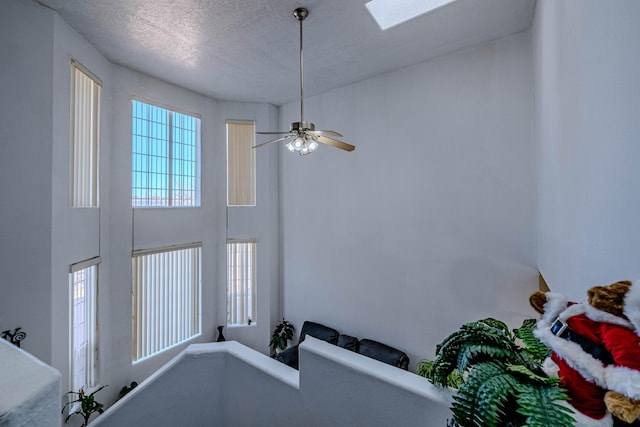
540	406
533	346
483	397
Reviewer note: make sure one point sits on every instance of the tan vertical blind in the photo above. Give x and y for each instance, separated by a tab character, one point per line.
166	299
241	164
241	286
85	131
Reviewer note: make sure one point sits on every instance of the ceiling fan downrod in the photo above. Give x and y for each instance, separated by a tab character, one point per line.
301	14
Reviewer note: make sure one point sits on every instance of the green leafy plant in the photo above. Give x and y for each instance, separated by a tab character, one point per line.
282	333
88	405
501	381
424	369
126	389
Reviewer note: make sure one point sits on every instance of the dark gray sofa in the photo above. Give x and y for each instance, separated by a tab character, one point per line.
366	347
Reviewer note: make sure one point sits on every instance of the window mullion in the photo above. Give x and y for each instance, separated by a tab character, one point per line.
170	178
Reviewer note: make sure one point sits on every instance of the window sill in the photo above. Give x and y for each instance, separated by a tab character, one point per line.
242	326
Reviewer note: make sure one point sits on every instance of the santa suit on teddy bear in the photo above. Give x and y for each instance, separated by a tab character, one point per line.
595	350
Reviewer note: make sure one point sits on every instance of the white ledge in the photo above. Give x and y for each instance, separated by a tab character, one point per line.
29	389
365	365
230	384
254	358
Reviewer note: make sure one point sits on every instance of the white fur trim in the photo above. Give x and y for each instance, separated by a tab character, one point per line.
571	311
556	304
623	380
589	367
581	420
604	317
565	313
550	368
632	305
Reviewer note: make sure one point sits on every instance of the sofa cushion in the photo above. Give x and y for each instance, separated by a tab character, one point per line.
319	331
348	342
289	356
384	353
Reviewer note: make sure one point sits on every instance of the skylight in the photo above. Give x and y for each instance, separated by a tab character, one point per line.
389	13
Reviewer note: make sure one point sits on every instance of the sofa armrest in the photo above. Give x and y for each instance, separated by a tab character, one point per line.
319	331
384	353
289	356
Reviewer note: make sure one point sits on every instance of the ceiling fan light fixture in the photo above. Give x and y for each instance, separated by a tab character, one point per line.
303	144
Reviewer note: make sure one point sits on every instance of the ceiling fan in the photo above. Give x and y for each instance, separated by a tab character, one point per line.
302	137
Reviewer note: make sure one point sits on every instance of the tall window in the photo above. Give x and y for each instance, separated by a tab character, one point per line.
241	282
166	298
241	164
165	157
84	324
85	131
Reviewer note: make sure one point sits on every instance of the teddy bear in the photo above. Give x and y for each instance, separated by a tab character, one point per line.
595	350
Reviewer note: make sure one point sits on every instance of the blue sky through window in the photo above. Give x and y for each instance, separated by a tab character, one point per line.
165	157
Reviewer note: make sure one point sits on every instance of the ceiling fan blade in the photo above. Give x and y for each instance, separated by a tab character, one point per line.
336	143
324	132
272	133
274	140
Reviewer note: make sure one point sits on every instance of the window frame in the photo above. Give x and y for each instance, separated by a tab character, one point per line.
84	155
252	298
252	181
171	141
141	318
91	317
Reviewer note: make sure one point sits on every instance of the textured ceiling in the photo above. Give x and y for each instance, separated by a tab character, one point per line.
247	50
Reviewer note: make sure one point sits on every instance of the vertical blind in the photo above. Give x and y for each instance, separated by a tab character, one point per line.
84	325
85	131
241	286
166	298
241	164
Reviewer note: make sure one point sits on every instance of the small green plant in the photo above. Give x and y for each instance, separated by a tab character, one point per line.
88	405
282	333
500	382
126	389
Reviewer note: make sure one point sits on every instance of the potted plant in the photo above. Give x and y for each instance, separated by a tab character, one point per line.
282	334
499	382
88	405
126	389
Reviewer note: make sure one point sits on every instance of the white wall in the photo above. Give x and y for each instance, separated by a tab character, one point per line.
26	121
587	63
259	222
149	228
231	385
430	222
77	234
41	235
161	227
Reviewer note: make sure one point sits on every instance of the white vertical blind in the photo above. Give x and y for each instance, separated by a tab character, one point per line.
85	131
241	282
241	164
84	326
166	299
